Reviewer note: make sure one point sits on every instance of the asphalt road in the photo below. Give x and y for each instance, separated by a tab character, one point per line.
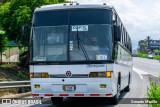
148	65
145	69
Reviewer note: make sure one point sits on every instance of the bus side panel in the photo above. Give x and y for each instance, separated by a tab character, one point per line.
123	65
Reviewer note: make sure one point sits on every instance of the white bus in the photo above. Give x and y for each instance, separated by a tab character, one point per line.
79	50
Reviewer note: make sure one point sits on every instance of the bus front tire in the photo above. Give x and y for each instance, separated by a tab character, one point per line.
114	100
57	100
127	89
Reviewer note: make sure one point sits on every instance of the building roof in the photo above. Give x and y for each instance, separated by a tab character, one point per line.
73	6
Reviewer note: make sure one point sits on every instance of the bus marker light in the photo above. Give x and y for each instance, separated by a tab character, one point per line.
104	3
63	95
94	94
108	94
77	3
79	94
35	94
37	86
108	74
44	75
48	95
103	85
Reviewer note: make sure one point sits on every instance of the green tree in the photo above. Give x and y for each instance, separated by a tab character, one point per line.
156	51
148	38
4	41
14	14
143	45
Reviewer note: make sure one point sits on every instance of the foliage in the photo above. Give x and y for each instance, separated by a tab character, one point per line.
22	50
157	57
23	75
15	14
4	41
9	91
143	45
154	92
156	51
142	55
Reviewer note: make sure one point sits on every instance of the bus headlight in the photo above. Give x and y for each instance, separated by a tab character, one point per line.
107	74
44	75
93	74
39	75
31	75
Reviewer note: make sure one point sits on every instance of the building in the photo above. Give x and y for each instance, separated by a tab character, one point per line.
154	44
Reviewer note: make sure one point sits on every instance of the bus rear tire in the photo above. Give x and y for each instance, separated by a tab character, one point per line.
57	100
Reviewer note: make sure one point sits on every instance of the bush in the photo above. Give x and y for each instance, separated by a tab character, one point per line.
142	55
157	57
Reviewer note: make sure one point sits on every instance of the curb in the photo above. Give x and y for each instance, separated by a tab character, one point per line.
17	95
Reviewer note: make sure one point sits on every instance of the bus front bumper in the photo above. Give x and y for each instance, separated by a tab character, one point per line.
72	87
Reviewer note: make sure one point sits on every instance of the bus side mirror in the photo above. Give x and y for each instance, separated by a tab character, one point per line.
24	31
117	33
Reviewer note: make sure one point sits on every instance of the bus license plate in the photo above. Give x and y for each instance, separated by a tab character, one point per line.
69	87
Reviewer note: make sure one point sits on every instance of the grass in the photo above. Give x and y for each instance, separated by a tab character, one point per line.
157	57
154	92
12	73
9	91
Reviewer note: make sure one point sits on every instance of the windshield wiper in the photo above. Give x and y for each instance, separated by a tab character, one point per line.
82	47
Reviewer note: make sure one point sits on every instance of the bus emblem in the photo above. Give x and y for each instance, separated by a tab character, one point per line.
68	74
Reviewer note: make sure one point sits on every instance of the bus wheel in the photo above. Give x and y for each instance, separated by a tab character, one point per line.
127	89
114	100
57	100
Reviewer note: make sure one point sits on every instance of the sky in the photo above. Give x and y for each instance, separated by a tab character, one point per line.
141	18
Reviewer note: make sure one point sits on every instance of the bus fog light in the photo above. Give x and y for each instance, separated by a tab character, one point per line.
103	86
37	86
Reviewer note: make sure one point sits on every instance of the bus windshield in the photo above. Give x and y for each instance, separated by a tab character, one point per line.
72	35
95	40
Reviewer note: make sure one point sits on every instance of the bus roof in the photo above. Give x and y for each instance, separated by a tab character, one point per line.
73	6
